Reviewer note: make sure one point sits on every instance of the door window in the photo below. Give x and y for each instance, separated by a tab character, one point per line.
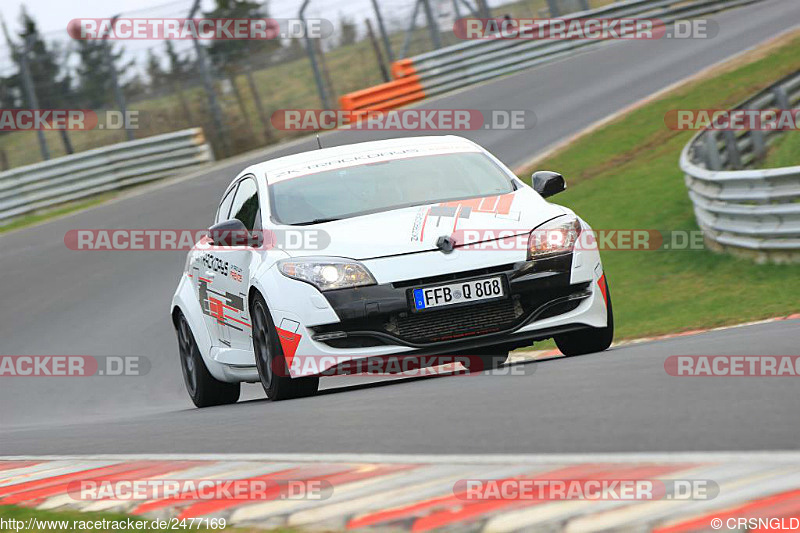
245	205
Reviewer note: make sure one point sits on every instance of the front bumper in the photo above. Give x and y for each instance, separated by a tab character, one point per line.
544	298
381	315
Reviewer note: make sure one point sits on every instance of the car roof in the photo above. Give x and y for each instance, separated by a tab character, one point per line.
295	165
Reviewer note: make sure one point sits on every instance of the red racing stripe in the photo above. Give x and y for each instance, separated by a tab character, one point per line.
602	284
289	342
239	321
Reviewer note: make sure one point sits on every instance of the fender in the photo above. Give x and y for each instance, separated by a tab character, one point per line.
258	272
185	299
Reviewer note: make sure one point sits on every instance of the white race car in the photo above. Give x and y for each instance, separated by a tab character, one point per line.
407	248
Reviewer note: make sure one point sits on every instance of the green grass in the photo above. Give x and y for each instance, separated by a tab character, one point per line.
24	514
625	176
784	152
11	512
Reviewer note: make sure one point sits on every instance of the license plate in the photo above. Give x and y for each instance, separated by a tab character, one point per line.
458	293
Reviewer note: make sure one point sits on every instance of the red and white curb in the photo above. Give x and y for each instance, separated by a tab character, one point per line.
418	493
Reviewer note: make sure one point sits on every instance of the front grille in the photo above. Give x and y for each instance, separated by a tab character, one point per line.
355	341
455	323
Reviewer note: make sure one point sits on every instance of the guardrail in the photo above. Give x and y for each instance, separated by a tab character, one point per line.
76	176
474	61
756	212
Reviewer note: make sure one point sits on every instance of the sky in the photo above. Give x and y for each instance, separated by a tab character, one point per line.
52	17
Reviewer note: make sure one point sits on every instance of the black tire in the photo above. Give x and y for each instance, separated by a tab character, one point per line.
589	340
203	388
270	360
487	358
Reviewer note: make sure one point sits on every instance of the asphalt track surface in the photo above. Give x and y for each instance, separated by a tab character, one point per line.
57	301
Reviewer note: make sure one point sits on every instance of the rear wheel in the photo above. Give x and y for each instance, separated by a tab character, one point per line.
203	388
270	359
589	340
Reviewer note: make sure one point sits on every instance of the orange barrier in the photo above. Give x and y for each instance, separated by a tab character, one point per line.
402	68
395	93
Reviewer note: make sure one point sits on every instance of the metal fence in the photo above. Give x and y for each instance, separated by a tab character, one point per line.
752	211
72	177
474	61
174	84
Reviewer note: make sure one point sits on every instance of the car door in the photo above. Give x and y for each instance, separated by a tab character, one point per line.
231	265
206	269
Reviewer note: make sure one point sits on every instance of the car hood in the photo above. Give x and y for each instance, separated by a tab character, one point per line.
417	229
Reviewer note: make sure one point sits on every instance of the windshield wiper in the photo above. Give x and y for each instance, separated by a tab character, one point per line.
316	221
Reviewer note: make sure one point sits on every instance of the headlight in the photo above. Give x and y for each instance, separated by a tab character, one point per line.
555	237
327	273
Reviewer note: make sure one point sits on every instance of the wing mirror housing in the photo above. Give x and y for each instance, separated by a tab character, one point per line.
234	233
548	183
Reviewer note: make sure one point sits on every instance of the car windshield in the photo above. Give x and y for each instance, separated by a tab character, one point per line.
381	186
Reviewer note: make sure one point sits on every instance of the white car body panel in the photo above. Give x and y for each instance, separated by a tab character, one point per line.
394	246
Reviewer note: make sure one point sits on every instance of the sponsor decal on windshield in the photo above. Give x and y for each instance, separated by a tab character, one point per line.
353	160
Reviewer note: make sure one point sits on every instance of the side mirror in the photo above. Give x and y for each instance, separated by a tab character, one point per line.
233	233
548	183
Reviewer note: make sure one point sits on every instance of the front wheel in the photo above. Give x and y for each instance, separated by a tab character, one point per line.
589	340
270	360
203	388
